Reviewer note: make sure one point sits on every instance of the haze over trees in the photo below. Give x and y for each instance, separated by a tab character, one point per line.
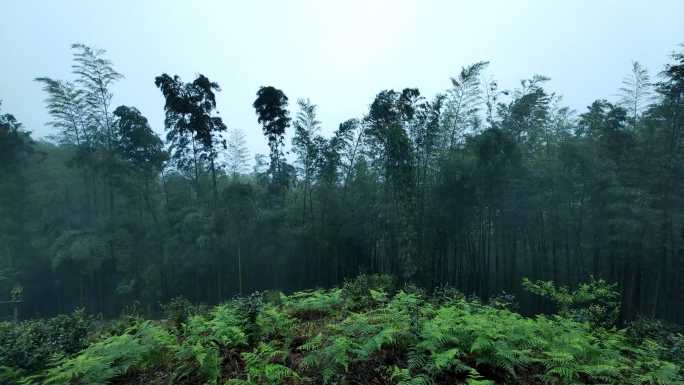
474	188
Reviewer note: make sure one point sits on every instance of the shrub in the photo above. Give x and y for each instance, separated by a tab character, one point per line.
596	301
177	311
668	336
248	309
29	345
133	311
446	295
504	300
357	292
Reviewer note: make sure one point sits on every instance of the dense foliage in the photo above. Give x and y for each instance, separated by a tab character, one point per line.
362	334
31	345
474	188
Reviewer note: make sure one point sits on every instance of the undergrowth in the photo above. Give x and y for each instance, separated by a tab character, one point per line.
366	332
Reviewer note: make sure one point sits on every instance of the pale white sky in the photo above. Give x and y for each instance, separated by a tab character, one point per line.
337	53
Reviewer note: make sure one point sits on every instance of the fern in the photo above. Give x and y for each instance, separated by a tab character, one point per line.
416	341
404	377
265	366
204	338
274	324
142	345
225	327
475	378
314	304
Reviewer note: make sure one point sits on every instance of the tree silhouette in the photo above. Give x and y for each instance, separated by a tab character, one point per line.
194	134
271	109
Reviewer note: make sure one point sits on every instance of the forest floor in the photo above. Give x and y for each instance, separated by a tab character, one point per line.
366	332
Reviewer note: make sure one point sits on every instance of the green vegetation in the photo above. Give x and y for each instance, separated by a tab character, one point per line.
358	334
487	233
30	345
475	188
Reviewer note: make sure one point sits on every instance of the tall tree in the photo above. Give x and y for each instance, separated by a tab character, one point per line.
141	151
194	133
271	109
237	152
524	189
306	147
95	76
67	106
462	104
635	93
138	144
16	148
387	135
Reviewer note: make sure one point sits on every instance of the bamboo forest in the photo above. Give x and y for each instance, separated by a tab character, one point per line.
480	234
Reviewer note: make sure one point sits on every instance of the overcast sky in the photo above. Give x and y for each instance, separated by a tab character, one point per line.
337	53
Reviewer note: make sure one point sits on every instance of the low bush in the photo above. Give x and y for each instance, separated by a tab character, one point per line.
29	345
178	310
668	336
596	301
357	292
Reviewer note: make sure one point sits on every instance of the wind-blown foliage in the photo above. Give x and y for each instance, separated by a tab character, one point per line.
139	346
